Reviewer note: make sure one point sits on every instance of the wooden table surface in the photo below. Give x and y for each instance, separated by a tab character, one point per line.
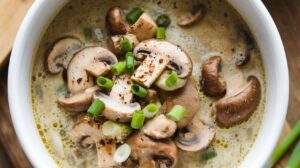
286	14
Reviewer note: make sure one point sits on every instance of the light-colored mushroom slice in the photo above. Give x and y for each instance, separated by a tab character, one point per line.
150	70
61	52
197	138
187	97
240	104
144	28
179	61
211	82
115	46
115	22
78	102
118	104
87	131
196	14
160	127
149	152
78	76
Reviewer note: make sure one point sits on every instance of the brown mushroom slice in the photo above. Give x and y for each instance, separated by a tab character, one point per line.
118	104
240	104
160	127
86	128
197	138
79	69
144	28
179	61
243	50
196	14
61	52
149	152
187	97
78	102
115	22
211	82
115	46
150	70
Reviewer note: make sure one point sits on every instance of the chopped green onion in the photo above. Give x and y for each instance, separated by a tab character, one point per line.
162	84
104	82
150	110
134	15
96	108
172	79
118	68
116	130
139	90
294	161
130	62
177	113
126	45
287	142
138	119
209	154
122	153
163	20
161	33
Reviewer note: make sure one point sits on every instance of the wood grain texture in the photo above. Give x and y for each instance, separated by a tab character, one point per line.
11	14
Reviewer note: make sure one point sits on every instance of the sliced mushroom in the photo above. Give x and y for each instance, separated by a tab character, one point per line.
243	50
238	105
144	28
179	61
61	52
159	127
118	105
115	22
115	46
150	70
89	132
211	82
89	61
196	138
78	102
196	14
152	153
187	97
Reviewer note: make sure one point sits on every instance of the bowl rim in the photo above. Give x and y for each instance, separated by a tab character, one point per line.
37	153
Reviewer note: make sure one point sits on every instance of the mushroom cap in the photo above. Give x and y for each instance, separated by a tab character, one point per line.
149	152
196	14
197	138
90	60
78	102
115	46
61	52
187	97
179	61
144	28
159	127
240	104
212	84
115	22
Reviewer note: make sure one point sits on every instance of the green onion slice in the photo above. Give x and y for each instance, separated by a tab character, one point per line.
209	154
126	45
104	82
139	90
122	153
177	113
116	130
161	33
130	62
150	110
134	15
138	119
161	82
294	161
163	20
118	68
96	108
172	79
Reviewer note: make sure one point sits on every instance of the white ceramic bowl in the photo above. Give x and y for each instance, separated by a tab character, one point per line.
254	13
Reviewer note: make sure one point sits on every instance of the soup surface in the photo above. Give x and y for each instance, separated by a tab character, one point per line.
221	32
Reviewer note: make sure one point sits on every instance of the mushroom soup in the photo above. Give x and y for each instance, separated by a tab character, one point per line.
148	83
